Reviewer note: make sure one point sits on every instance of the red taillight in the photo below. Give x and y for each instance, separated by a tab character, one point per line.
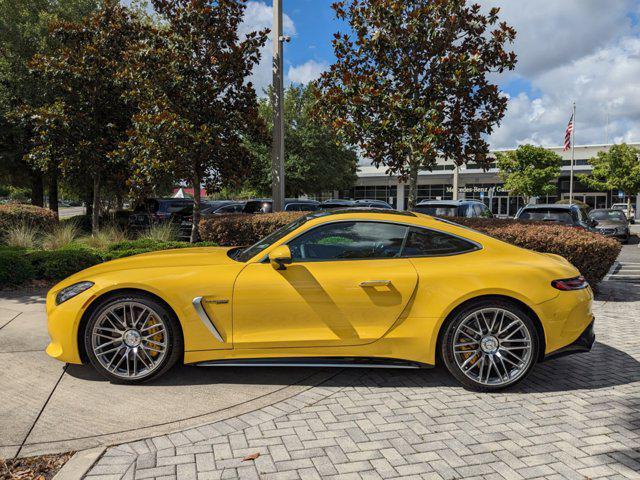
576	283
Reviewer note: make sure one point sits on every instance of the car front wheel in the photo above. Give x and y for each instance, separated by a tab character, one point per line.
490	345
132	339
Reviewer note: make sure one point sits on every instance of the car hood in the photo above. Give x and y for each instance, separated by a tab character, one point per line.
181	257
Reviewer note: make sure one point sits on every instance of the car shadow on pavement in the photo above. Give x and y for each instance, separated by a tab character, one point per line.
604	366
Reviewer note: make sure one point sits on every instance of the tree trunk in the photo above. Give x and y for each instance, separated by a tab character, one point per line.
629	217
87	199
413	185
95	209
37	189
53	191
195	231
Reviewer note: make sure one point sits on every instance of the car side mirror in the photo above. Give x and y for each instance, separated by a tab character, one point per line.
279	257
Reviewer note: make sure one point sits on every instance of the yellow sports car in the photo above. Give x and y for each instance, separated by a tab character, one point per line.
364	288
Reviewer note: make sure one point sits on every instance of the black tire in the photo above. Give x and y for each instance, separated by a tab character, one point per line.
447	341
174	342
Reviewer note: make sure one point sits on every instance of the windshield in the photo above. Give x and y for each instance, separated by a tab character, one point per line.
608	215
547	215
438	210
266	242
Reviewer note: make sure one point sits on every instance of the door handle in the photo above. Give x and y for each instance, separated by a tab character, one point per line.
375	283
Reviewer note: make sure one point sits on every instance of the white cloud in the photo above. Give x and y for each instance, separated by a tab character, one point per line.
604	83
551	33
258	16
582	50
307	72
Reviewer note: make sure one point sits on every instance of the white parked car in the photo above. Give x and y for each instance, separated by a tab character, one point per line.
631	214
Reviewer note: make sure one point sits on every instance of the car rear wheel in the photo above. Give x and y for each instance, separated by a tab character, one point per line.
490	345
132	339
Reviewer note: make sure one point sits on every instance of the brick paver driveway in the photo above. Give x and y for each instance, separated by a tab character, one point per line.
574	417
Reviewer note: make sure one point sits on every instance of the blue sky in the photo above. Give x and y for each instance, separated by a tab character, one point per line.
587	51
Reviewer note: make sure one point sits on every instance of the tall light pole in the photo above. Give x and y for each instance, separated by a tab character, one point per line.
277	156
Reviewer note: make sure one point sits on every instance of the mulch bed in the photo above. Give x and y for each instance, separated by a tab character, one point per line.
42	467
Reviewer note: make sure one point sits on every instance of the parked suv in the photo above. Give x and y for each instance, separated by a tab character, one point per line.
156	210
265	205
611	223
571	215
453	208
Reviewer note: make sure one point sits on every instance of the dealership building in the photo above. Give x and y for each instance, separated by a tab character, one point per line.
486	186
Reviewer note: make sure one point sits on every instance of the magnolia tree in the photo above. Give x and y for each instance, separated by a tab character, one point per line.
617	169
529	171
412	82
195	106
78	130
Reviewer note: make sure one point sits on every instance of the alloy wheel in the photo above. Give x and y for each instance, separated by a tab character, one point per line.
130	340
492	346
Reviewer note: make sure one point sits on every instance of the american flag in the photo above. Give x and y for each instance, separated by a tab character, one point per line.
567	134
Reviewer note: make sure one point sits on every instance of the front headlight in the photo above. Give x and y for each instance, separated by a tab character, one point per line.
71	291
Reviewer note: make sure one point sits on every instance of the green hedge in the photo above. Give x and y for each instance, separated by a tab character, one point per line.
19	265
59	264
15	268
591	253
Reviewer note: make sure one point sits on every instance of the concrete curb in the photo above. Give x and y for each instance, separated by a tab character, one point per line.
79	464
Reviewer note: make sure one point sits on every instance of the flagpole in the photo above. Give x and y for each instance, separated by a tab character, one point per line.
573	153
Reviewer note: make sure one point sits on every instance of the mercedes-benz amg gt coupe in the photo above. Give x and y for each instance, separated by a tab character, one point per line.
355	287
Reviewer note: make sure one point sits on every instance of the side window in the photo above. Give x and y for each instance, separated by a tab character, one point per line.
430	243
176	206
349	240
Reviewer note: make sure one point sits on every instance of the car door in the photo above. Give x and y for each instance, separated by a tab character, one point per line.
346	285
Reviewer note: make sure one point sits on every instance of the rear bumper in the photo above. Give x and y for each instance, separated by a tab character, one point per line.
582	344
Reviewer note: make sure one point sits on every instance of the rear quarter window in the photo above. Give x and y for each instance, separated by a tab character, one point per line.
431	243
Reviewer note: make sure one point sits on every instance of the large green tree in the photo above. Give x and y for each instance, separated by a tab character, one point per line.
529	171
315	162
412	82
87	116
24	32
196	107
616	169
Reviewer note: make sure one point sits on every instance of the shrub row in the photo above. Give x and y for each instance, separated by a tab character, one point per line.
19	265
242	229
12	214
591	253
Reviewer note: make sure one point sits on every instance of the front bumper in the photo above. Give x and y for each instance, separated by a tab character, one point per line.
582	344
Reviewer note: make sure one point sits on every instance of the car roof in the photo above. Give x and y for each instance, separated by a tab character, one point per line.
365	210
286	200
447	202
560	206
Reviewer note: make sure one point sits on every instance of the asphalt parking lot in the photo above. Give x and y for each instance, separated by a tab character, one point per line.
575	417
